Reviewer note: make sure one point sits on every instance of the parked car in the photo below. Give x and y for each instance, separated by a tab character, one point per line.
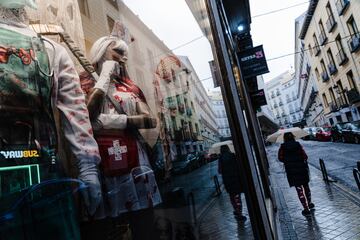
185	164
336	132
203	157
323	134
351	132
312	133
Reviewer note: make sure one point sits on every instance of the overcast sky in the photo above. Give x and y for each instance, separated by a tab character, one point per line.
172	22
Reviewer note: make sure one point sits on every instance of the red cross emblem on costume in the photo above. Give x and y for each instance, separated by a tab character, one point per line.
117	150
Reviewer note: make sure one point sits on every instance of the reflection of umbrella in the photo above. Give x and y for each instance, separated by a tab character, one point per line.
215	148
279	135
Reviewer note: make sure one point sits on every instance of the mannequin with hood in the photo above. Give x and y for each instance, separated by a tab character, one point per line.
39	82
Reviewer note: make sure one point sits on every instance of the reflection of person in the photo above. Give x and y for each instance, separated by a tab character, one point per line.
231	179
163	229
292	154
39	82
118	108
184	231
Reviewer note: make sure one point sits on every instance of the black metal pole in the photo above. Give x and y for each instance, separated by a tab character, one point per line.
247	164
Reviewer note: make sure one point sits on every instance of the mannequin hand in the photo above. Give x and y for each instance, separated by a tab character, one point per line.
108	69
92	194
142	121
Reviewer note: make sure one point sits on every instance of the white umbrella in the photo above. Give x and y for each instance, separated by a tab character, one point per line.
279	135
215	148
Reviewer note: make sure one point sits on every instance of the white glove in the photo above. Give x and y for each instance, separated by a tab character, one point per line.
92	194
108	69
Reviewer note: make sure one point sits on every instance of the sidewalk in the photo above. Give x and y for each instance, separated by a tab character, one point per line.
337	211
217	222
337	214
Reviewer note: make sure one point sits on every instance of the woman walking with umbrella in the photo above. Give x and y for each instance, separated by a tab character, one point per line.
292	154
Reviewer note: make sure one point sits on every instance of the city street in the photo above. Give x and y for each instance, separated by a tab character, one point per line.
339	158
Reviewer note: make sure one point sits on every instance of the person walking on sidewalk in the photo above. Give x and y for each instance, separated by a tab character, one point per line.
292	154
231	179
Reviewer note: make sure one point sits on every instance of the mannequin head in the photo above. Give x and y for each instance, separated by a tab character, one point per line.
108	48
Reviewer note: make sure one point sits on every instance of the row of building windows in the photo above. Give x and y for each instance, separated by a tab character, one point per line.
337	102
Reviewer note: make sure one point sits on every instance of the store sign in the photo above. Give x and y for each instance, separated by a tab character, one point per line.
253	62
258	98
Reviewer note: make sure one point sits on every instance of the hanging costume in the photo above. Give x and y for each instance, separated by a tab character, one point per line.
29	93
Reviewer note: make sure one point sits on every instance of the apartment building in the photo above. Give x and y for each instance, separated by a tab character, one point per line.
330	35
281	95
308	94
201	103
220	111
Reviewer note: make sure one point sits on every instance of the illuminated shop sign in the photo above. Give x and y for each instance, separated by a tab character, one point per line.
253	62
20	154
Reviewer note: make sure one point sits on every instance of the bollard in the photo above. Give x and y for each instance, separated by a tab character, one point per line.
191	201
324	171
357	177
217	186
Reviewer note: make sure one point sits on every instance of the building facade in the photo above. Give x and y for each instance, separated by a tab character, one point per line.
310	103
221	117
331	37
205	112
281	94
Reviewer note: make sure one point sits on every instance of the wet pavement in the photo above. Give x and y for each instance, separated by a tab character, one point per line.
336	215
337	211
339	158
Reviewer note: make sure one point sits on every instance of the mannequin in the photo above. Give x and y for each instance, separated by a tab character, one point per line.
118	109
39	81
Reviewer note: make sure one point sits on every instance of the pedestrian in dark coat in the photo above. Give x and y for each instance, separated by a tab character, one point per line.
292	154
231	179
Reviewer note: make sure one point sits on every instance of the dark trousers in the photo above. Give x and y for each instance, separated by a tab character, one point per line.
304	195
235	199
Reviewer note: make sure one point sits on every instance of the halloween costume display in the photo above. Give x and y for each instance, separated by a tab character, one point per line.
38	82
118	109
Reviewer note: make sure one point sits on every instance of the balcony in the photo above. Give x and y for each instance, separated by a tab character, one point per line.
188	111
322	38
354	43
275	105
272	95
341	57
317	50
332	68
325	76
278	93
181	108
341	6
283	114
330	23
280	104
338	104
353	95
